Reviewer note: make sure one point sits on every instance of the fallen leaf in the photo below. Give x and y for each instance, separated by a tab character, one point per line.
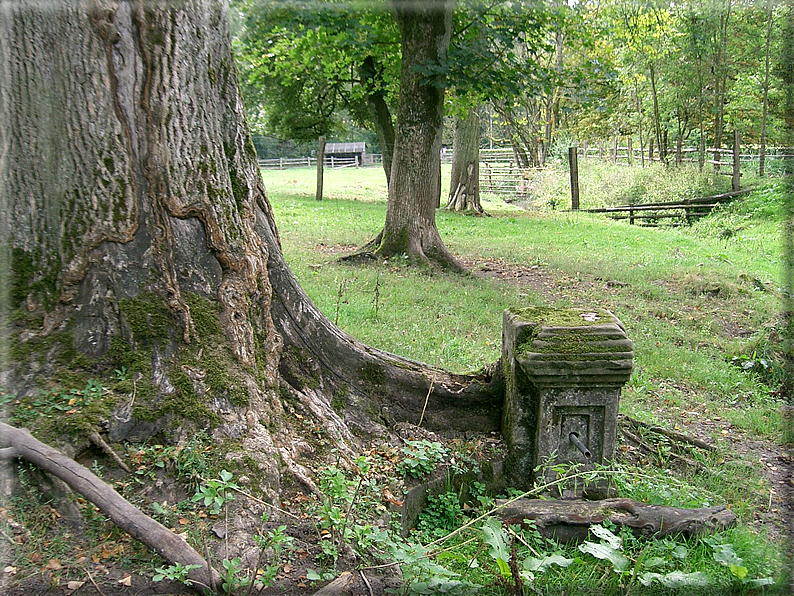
126	581
10	570
391	498
183	521
53	564
74	585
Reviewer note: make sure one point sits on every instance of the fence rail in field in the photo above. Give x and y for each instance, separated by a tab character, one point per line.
632	154
686	209
504	179
331	161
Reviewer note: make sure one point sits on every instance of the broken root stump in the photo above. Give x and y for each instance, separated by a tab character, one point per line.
18	442
570	521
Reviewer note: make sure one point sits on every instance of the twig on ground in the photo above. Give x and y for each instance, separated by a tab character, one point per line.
366	581
676	436
88	574
97	440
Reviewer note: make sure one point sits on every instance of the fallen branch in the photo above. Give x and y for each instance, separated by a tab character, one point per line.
648	449
570	521
671	434
18	442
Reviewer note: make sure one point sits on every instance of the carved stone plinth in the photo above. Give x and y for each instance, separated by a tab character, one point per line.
563	372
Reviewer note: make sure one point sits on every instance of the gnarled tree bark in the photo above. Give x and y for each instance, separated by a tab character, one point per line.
140	234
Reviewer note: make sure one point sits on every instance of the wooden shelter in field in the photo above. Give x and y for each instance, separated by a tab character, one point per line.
345	152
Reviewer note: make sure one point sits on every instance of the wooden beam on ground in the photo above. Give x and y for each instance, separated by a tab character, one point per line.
570	520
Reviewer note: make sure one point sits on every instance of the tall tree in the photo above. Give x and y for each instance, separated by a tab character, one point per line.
139	234
765	86
492	58
415	181
334	56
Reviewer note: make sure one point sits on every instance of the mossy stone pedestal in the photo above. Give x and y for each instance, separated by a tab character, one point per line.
563	372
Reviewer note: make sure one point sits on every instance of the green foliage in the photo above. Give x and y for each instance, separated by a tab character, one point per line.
608	549
57	402
281	545
175	572
440	516
217	492
189	463
421	458
230	576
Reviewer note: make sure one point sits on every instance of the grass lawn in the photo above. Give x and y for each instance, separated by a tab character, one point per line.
701	304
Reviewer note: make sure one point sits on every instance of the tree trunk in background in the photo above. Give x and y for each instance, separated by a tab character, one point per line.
657	125
318	195
521	145
464	193
553	100
765	112
140	235
720	72
415	180
379	110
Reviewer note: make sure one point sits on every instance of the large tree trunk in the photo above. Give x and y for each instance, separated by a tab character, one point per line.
415	180
464	185
140	235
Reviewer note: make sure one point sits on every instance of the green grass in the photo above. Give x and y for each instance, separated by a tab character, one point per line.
692	299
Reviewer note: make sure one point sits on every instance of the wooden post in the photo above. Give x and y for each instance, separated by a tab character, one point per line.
678	151
574	165
631	213
615	150
630	153
736	178
650	150
320	163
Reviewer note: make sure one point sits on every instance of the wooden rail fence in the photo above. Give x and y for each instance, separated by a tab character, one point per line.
685	210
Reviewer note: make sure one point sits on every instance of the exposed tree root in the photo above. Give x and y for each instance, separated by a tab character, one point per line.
97	440
18	442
